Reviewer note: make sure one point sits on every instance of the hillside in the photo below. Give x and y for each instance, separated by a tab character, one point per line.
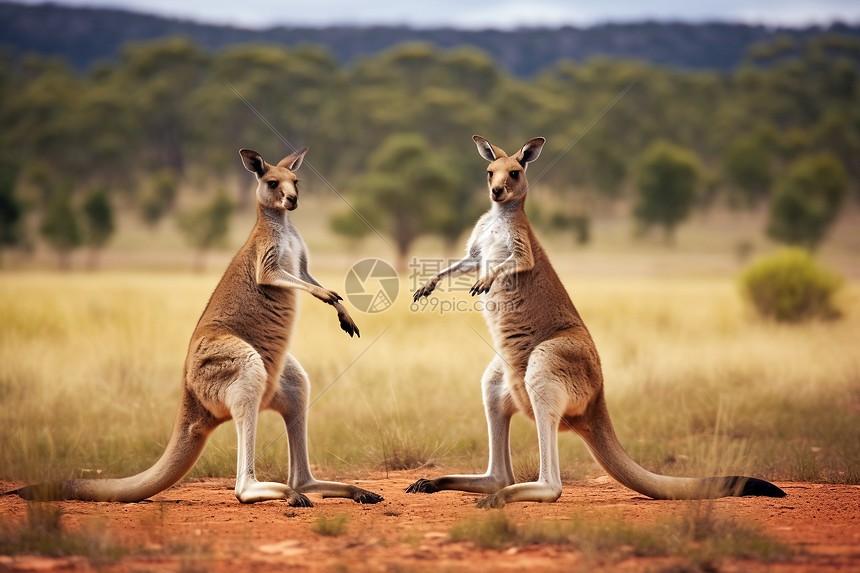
83	36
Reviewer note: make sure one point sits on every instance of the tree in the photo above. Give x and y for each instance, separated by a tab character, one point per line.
349	225
608	168
11	210
465	197
160	197
840	135
161	102
98	222
292	89
578	223
405	193
666	186
38	116
807	200
208	226
60	227
746	166
162	72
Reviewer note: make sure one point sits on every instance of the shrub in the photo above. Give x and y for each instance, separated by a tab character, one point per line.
791	286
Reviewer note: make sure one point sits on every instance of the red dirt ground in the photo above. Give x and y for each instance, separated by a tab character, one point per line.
199	526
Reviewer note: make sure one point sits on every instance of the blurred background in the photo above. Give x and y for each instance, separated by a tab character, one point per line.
120	129
684	144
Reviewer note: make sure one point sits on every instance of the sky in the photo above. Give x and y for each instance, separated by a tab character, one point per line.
477	14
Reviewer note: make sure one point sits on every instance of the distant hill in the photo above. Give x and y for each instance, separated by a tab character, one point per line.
86	35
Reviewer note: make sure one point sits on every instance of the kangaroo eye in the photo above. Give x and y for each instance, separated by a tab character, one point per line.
489	174
273	184
514	174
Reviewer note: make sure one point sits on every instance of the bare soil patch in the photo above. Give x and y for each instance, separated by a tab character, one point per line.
199	526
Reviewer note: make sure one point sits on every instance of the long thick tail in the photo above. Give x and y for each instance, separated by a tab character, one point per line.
190	432
596	429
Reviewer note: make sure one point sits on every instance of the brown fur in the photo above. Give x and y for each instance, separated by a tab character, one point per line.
238	362
547	365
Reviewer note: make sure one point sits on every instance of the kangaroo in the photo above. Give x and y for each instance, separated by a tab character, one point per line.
547	365
238	362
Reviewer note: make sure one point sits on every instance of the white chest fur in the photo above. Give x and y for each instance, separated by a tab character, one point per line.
494	242
290	248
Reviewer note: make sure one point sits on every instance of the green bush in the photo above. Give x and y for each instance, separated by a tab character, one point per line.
791	286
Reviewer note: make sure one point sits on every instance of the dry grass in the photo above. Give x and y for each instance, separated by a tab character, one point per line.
698	535
90	366
43	533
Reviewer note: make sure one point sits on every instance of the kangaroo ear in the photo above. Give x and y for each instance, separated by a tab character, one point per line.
485	148
530	151
253	162
294	160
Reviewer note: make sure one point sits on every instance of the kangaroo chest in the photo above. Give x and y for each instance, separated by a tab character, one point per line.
495	244
290	249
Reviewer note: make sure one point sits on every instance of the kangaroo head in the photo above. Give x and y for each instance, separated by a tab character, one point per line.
506	176
277	185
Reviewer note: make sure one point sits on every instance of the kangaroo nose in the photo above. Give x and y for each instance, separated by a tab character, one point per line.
497	191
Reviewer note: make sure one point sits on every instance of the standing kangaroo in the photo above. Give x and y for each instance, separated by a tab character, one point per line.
238	363
546	365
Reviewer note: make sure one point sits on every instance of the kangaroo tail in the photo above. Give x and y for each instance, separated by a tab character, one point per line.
190	432
596	429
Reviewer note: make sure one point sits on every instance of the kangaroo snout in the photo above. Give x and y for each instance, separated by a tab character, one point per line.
497	192
291	202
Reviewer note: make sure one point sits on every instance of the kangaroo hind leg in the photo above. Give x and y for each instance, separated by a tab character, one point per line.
243	397
499	409
550	398
291	401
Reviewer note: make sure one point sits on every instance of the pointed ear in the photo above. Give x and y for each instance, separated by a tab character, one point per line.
530	151
253	162
485	148
294	160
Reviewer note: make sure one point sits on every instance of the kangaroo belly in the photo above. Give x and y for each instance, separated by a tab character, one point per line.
261	316
513	339
529	312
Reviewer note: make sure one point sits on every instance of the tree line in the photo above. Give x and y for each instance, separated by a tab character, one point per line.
393	130
85	35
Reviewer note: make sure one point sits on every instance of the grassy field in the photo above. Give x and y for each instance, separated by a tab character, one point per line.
90	366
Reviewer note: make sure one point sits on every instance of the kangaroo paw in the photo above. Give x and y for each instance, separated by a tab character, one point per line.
299	500
492	501
422	486
363	496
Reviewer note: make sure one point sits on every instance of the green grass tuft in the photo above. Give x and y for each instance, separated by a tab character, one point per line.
330	526
494	531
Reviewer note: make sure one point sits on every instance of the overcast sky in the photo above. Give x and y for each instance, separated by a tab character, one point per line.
487	13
